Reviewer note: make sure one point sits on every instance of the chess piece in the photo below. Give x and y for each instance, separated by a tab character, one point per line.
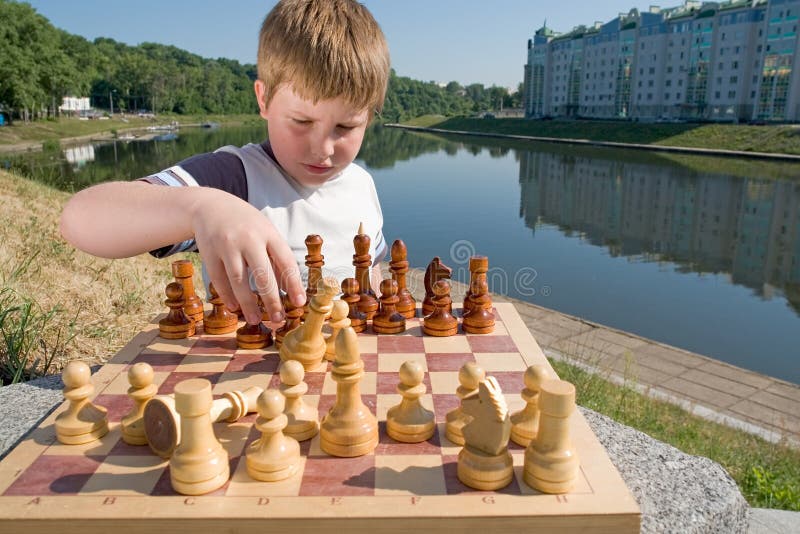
406	305
82	421
551	463
314	262
219	320
435	271
200	463
362	261
162	422
388	320
409	421
469	376
140	377
478	267
349	428
352	295
440	322
480	318
176	325
274	456
183	271
303	420
338	321
293	314
525	423
306	343
485	463
253	336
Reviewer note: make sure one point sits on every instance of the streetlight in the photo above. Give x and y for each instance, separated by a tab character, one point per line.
111	100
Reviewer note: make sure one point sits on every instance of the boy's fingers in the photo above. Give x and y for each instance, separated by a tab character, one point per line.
237	274
219	278
267	287
286	271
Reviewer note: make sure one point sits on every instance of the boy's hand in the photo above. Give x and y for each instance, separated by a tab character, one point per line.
233	238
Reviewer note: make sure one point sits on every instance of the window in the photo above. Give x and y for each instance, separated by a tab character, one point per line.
731	94
734	79
677	96
716	94
652	70
668	83
735	65
650	83
720	66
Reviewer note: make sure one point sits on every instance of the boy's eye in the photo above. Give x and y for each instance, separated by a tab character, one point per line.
301	121
345	127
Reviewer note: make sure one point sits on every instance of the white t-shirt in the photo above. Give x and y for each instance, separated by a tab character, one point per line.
334	210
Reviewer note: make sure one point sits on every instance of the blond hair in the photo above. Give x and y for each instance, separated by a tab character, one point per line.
325	49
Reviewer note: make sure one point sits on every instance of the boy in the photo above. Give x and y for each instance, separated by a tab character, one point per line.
323	67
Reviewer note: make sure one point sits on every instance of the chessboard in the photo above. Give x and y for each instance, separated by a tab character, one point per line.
108	484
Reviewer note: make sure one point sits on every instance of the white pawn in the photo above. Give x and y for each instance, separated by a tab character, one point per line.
274	456
409	421
82	422
469	376
303	420
338	321
140	377
525	423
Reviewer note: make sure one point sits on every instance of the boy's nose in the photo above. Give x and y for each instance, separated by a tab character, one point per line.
322	147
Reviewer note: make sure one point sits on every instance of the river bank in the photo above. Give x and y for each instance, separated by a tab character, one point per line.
66	131
781	142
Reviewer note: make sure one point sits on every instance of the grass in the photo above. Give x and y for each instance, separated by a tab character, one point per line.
783	139
768	475
53	130
59	304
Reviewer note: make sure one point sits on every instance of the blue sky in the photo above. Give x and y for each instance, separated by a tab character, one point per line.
441	40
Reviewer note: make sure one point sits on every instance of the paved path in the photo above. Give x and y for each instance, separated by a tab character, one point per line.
709	388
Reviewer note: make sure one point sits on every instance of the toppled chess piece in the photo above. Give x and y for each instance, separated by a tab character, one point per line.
302	419
162	422
551	463
176	325
274	456
82	421
410	421
140	377
200	463
469	376
525	423
485	463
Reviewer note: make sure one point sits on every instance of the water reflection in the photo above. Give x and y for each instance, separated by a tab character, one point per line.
705	222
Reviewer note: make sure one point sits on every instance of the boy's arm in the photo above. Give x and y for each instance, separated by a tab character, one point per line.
123	219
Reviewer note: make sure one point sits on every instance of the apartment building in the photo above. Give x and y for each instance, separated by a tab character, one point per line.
724	61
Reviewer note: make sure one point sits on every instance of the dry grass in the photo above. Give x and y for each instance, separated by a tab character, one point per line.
98	304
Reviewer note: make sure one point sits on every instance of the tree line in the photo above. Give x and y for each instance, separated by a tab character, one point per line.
40	64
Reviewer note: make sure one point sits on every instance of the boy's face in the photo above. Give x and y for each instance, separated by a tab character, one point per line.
312	142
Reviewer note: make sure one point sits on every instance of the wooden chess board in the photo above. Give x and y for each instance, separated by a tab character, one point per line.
109	485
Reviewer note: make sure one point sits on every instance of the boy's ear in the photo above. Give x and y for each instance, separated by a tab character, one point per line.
261	90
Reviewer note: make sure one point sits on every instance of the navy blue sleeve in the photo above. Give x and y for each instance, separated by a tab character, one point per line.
220	170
